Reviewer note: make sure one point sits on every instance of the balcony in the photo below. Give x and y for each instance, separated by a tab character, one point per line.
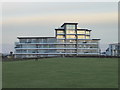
57	53
44	48
60	33
70	33
60	38
41	48
88	48
86	43
56	43
71	38
88	53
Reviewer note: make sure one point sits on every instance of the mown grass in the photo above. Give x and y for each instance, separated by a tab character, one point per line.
61	73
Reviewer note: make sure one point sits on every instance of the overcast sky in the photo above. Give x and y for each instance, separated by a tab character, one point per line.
41	18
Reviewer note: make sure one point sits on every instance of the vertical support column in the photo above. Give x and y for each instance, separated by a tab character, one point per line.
21	51
56	40
65	39
85	34
76	40
99	51
27	40
85	46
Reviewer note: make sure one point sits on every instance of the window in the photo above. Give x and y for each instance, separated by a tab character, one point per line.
87	32
72	41
29	40
44	40
70	26
70	36
60	36
60	41
70	31
23	40
24	51
87	37
81	37
34	40
80	32
60	32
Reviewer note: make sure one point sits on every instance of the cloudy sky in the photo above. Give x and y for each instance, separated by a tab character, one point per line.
41	18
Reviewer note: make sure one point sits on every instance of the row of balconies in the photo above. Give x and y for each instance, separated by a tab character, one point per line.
58	48
52	41
73	38
58	43
57	53
72	34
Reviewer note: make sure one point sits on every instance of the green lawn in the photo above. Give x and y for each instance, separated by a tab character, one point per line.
61	73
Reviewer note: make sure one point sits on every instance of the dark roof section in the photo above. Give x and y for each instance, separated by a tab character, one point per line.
77	29
69	23
59	29
84	29
96	39
107	49
33	37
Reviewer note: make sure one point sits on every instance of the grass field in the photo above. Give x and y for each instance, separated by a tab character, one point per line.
61	73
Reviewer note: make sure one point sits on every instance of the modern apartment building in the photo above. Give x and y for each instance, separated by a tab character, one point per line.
113	50
69	40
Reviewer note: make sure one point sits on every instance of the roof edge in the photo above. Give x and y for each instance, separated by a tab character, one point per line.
68	23
27	37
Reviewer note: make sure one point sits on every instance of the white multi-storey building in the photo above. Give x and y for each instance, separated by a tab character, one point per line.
113	50
68	41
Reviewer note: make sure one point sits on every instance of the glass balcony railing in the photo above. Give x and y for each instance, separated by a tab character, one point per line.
55	43
88	47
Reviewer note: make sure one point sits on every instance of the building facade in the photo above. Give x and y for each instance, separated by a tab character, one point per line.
113	50
69	40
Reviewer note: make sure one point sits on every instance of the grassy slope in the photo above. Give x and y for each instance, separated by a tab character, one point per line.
61	73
